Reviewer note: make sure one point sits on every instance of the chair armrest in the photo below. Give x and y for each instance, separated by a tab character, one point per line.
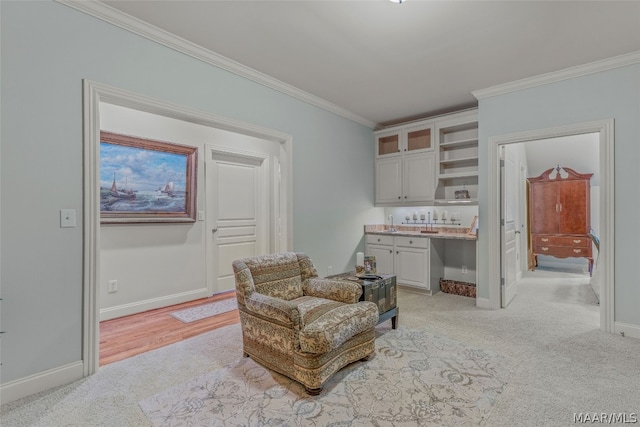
336	290
276	309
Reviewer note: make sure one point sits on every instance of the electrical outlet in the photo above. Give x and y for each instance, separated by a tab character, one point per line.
112	286
464	269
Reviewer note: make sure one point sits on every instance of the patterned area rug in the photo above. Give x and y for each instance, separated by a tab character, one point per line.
414	379
206	310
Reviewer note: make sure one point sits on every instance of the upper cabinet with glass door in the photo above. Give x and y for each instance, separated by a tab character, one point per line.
406	139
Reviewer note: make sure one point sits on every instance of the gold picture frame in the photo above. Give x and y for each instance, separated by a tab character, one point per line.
144	180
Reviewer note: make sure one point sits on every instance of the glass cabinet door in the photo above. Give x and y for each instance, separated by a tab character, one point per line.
388	144
419	139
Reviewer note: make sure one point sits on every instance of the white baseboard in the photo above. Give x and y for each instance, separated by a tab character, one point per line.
484	303
151	304
626	329
41	381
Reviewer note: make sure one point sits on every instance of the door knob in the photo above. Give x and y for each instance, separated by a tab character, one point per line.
214	230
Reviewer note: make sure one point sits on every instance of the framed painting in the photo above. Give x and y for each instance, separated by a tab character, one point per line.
142	180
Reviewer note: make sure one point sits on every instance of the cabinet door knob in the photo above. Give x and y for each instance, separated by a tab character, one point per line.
399	197
411	242
378	240
390	251
405	197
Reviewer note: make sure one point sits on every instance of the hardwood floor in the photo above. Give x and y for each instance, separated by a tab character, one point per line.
135	334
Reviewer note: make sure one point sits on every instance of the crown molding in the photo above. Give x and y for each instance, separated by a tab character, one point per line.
556	76
120	19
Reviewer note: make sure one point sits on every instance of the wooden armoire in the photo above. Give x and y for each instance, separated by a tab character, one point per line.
559	215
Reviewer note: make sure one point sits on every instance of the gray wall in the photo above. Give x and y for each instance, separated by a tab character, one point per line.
47	49
611	94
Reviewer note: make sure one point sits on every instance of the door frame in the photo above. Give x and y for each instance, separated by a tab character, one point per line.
95	93
605	129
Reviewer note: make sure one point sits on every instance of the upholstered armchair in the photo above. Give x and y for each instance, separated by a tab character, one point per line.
297	324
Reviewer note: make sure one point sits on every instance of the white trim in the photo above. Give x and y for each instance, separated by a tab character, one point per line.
607	226
151	304
95	93
36	383
120	19
484	303
629	331
556	76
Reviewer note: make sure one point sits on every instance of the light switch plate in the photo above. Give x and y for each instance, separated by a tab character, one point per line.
200	215
67	218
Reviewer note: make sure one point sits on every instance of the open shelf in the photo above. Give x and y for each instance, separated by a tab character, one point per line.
469	142
457	175
458	161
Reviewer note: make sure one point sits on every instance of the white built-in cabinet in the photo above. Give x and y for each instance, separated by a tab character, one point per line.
428	161
405	165
416	261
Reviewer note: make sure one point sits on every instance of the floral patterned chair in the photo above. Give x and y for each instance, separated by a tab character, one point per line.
296	324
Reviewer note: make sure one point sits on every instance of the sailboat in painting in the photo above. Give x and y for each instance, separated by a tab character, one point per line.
122	193
168	189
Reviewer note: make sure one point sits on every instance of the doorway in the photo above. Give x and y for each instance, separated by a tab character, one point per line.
604	129
529	160
95	94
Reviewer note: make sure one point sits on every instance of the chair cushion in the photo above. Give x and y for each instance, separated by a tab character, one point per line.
276	275
328	324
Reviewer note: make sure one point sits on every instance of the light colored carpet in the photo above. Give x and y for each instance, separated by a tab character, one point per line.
564	363
414	378
192	314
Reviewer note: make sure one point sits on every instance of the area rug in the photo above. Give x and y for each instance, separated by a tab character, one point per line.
206	310
414	378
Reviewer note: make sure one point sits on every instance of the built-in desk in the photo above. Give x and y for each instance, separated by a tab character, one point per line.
420	260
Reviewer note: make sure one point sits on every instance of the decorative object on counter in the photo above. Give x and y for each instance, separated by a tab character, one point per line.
462	194
392	228
473	229
458	288
369	265
359	263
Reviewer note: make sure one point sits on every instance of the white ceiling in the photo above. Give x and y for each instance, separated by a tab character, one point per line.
388	62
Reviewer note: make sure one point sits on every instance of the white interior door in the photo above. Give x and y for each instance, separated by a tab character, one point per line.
238	206
509	225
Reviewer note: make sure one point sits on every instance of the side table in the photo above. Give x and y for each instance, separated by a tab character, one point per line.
381	290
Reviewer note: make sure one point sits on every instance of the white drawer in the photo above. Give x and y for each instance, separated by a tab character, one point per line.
412	242
379	239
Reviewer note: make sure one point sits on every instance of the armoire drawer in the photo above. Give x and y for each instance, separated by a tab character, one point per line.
568	241
562	251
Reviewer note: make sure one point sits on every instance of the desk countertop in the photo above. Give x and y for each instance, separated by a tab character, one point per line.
443	232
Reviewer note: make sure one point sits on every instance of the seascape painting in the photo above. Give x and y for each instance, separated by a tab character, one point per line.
145	181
